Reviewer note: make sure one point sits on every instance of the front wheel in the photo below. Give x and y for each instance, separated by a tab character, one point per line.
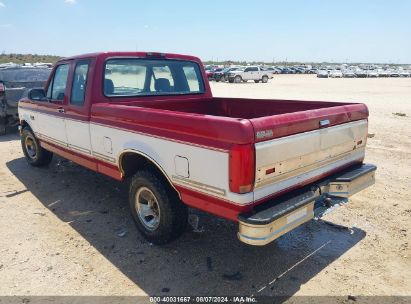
237	79
34	153
159	214
265	79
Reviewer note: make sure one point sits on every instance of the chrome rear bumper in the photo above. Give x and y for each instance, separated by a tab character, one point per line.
276	217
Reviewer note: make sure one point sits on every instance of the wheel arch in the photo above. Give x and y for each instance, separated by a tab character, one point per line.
24	124
130	161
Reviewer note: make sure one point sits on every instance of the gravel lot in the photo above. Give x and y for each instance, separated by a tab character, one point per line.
67	231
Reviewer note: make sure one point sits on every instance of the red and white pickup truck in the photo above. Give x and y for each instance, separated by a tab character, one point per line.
270	165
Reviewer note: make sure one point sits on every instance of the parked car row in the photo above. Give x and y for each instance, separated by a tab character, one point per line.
359	73
240	74
219	73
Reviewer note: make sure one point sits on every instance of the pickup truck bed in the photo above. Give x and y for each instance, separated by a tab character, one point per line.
219	118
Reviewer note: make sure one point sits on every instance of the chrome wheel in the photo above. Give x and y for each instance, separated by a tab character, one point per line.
31	147
147	208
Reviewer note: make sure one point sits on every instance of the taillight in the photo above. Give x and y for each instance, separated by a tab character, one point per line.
242	168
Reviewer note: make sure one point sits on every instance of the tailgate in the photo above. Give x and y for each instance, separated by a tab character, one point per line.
289	161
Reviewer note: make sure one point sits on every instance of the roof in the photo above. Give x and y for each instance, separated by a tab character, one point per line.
104	55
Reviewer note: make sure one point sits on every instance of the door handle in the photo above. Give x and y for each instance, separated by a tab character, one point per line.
61	110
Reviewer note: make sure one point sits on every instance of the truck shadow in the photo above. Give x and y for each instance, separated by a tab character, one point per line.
12	134
208	261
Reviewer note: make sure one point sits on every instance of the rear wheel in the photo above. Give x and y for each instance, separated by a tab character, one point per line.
237	79
265	79
159	214
256	81
34	153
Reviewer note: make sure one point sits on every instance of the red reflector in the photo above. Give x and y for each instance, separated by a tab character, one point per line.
242	168
2	87
155	55
269	171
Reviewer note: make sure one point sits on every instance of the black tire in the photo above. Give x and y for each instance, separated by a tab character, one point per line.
238	79
3	125
264	79
34	153
256	81
230	80
170	215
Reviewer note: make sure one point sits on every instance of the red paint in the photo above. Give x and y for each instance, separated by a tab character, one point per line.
83	160
228	124
211	204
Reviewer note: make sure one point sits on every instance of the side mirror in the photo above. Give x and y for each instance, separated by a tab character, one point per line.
37	94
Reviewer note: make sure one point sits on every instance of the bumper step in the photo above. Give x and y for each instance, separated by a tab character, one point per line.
274	218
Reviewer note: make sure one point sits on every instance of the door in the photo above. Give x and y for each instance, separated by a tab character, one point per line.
77	122
51	115
252	73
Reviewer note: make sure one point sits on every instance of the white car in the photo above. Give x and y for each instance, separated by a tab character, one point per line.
322	73
335	74
348	74
404	73
250	73
383	73
372	73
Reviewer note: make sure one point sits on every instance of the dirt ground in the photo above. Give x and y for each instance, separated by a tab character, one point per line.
67	231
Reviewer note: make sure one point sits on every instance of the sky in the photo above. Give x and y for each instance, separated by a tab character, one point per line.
260	30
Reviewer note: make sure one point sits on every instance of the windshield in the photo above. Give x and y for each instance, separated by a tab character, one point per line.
24	75
144	77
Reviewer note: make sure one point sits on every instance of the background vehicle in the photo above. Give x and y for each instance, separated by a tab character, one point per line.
335	74
223	74
360	73
249	73
348	74
322	73
405	73
273	70
14	82
383	73
269	165
372	73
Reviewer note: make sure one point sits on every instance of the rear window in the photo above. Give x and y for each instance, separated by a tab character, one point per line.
143	77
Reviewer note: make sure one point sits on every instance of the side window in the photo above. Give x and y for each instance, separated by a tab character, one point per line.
58	85
247	70
78	89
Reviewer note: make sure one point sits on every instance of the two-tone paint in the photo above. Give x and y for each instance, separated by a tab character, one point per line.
189	138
